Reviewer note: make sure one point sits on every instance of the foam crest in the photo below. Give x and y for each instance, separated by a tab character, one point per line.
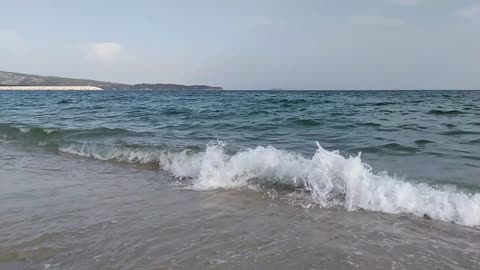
329	178
102	152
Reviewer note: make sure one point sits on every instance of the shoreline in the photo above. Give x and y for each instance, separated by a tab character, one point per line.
78	220
50	88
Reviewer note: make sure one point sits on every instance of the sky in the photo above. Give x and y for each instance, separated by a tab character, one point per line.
248	44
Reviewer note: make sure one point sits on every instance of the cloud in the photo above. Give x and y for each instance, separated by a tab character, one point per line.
13	48
470	13
376	21
468	21
6	35
10	40
405	2
259	21
106	52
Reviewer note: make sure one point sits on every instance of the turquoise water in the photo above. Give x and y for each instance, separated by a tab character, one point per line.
231	139
429	136
240	180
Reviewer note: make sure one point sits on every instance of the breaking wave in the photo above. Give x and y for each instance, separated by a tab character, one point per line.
35	135
327	178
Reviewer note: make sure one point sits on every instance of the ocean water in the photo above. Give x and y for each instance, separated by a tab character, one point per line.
240	180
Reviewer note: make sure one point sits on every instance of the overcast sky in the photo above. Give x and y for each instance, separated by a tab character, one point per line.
248	44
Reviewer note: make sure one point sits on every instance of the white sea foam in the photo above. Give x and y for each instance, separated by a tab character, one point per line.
4	139
329	178
24	130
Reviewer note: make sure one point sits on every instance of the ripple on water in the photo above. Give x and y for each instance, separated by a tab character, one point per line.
445	112
306	122
460	132
369	124
423	141
391	148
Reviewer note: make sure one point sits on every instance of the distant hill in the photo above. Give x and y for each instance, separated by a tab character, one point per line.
20	79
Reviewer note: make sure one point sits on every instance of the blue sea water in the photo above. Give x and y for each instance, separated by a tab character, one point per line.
200	179
429	137
424	136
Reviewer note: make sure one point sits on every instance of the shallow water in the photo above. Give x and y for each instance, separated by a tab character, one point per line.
64	213
234	180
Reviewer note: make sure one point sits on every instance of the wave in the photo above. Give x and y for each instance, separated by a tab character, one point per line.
32	134
327	178
29	134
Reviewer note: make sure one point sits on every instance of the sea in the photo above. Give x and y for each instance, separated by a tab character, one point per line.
239	180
